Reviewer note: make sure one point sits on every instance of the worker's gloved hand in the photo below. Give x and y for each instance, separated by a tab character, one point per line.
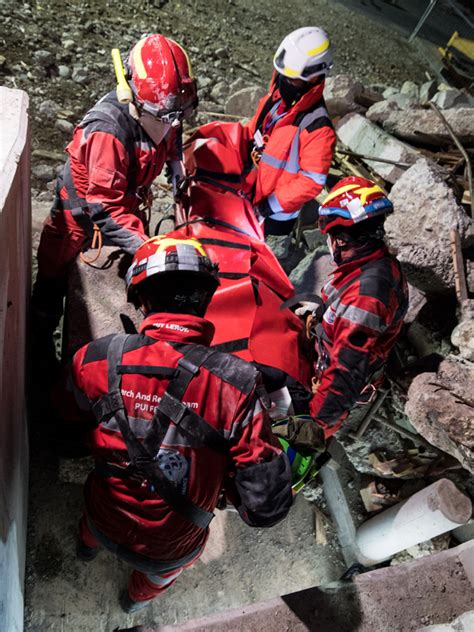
263	209
307	307
176	176
302	433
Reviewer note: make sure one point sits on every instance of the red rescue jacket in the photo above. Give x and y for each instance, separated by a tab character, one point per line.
298	152
365	303
112	163
224	393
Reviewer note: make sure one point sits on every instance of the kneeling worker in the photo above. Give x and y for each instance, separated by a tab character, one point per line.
365	302
173	419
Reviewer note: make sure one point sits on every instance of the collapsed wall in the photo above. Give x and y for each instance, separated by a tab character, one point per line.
15	264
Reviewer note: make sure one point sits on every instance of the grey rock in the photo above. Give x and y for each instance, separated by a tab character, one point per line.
280	245
43	172
340	94
463	623
48	109
363	136
64	126
381	111
453	98
403	101
425	211
315	239
411	125
44	57
80	74
64	72
410	89
219	91
390	92
427	91
237	85
221	53
312	272
437	409
203	82
245	101
462	337
68	44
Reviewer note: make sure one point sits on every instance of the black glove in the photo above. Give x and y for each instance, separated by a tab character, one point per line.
302	433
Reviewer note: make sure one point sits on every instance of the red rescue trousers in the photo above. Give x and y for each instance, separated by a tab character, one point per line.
142	586
62	239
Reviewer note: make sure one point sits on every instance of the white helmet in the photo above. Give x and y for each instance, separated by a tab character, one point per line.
304	54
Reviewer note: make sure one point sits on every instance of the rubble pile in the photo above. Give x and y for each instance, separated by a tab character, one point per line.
416	142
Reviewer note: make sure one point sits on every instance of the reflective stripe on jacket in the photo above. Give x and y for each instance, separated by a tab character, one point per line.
112	163
295	161
366	302
125	509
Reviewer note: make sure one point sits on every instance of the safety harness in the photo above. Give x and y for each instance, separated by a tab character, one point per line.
144	461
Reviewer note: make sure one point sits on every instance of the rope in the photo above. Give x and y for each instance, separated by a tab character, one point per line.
97	242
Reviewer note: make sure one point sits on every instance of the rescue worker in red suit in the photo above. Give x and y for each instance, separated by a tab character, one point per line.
116	152
364	302
291	134
174	419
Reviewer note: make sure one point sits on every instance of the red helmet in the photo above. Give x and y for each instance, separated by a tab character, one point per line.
169	255
352	200
161	78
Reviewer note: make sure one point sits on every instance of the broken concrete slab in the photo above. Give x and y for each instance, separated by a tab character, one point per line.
417	124
244	102
425	211
462	337
431	590
362	136
440	407
341	93
410	89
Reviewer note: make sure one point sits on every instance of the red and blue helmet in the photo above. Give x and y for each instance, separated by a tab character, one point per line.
350	201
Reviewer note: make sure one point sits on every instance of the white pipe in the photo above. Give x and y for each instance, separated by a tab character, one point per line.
432	511
422	20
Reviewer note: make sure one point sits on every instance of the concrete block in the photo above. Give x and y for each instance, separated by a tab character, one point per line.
425	211
244	102
411	124
340	94
464	623
462	337
429	590
15	275
389	92
439	411
362	136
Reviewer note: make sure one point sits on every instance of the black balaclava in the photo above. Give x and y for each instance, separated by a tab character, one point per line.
289	92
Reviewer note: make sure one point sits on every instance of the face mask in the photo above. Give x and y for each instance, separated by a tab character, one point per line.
289	92
155	129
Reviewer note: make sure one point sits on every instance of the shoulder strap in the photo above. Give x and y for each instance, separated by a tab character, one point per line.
140	457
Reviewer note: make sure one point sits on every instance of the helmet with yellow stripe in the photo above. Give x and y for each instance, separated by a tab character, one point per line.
350	201
161	78
173	275
304	54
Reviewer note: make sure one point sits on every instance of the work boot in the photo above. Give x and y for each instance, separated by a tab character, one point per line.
129	606
86	553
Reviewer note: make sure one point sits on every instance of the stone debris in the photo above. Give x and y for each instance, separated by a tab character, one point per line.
425	211
244	102
362	136
440	407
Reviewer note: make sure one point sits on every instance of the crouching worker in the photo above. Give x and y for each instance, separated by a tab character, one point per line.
364	302
174	419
